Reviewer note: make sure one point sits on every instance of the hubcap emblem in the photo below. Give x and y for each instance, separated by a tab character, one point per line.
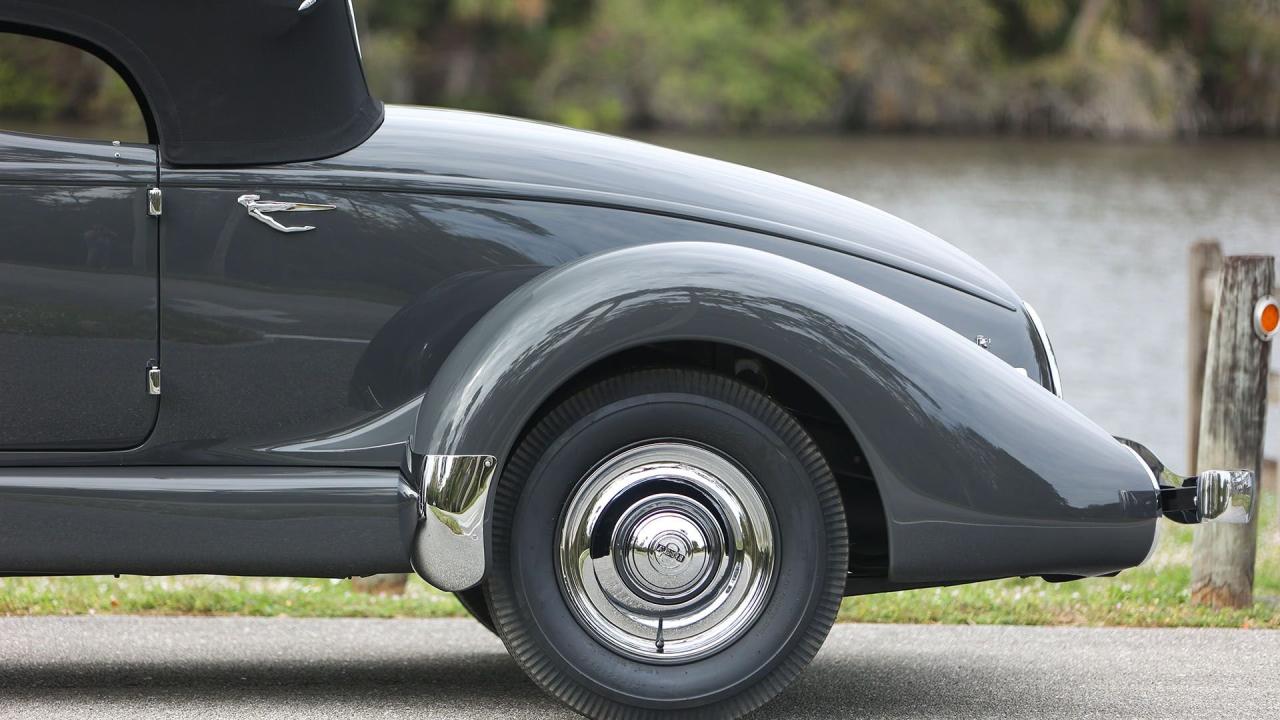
663	543
669	553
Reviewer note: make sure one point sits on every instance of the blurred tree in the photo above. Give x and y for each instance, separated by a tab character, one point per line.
1094	77
49	84
479	54
727	65
1094	67
1242	66
930	64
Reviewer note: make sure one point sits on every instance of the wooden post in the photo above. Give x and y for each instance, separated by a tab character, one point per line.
1232	419
1206	263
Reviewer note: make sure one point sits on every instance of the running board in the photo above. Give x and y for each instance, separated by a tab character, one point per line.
302	522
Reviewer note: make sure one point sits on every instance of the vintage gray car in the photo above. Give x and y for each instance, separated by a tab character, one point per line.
650	415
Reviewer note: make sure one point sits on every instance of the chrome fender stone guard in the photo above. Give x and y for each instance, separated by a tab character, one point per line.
449	548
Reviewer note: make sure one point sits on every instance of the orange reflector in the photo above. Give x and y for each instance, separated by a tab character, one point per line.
1266	318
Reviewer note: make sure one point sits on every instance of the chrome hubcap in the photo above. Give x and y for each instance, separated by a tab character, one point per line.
666	552
666	547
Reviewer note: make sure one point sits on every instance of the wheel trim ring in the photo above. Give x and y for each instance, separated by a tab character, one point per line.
720	612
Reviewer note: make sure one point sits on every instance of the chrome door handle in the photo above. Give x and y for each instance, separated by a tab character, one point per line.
258	208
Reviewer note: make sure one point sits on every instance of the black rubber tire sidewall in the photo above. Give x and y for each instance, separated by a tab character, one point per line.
736	421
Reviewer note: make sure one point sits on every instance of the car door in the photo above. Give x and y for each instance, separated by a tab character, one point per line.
78	293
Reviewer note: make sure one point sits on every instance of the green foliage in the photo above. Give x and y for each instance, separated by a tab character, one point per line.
932	64
527	12
200	595
1045	19
1244	67
1151	68
25	95
26	91
728	65
1093	67
1118	86
47	85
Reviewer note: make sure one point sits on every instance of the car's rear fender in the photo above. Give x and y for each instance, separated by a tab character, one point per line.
983	473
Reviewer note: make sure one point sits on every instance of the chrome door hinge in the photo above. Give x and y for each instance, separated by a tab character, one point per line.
155	202
153	379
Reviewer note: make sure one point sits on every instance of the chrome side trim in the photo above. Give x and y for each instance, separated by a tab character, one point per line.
449	548
1054	377
1164	477
355	30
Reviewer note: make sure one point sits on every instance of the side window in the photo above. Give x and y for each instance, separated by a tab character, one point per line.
51	88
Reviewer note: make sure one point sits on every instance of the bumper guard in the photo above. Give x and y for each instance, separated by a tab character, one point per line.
1212	496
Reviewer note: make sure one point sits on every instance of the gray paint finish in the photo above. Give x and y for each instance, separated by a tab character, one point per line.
311	350
303	349
230	521
966	452
78	294
465	153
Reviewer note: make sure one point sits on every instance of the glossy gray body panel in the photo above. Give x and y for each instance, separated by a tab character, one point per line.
967	453
232	521
78	294
305	349
464	153
290	351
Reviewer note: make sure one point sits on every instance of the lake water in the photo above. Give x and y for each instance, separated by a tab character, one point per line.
1094	235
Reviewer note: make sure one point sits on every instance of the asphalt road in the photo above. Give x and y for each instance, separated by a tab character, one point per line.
113	667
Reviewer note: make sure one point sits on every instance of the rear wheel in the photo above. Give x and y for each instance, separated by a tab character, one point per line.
666	541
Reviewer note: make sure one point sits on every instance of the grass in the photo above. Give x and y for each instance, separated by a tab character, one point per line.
215	595
1155	595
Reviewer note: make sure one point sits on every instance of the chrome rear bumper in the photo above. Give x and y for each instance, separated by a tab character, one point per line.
1227	496
1221	495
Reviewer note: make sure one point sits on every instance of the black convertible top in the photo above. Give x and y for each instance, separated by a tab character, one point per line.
225	82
